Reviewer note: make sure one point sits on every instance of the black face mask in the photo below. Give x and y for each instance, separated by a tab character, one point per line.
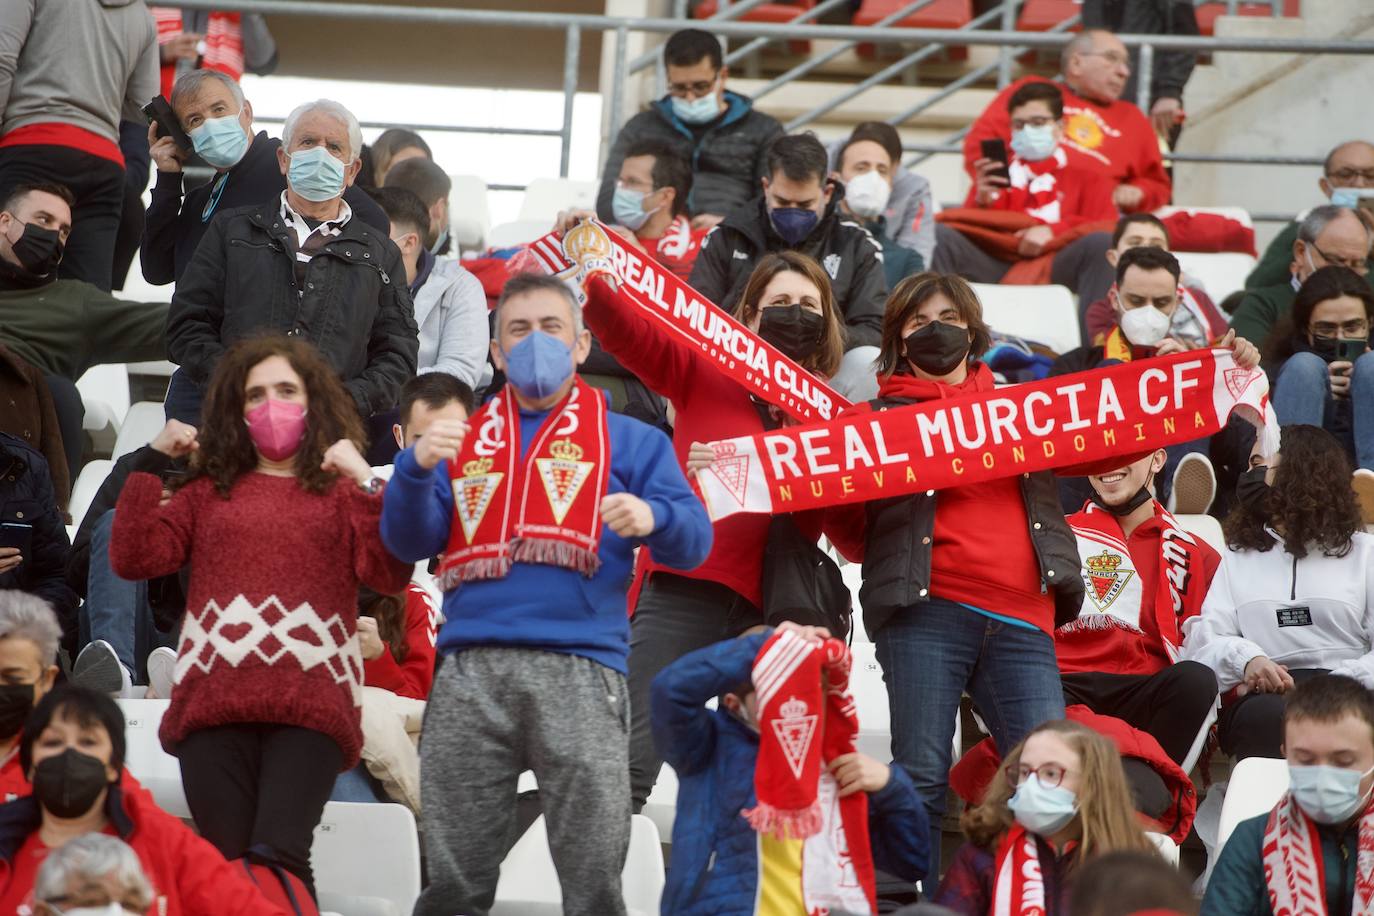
16	702
1142	496
68	785
1252	491
39	250
792	329
938	348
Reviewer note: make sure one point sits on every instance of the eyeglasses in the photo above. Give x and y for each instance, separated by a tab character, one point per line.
1353	330
696	90
1115	58
1347	177
1359	265
1050	774
635	185
1037	121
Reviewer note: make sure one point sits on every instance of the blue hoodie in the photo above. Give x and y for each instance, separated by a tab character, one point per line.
549	607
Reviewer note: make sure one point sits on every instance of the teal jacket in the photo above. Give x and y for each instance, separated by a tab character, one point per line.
1237	887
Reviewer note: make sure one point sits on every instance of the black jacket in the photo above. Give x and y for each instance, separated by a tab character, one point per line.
1149	17
897	548
726	156
26	498
173	227
355	305
852	258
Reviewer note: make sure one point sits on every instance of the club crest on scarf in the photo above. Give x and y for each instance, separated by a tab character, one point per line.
795	729
731	470
1237	380
1105	578
473	492
563	473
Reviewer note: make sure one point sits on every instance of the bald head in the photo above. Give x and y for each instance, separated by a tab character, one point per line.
1095	65
1350	165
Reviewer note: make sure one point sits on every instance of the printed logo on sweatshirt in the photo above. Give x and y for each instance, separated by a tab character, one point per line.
1105	578
795	729
563	475
832	265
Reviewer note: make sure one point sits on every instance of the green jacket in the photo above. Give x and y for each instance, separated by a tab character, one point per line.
898	262
1237	887
1273	265
66	326
1261	310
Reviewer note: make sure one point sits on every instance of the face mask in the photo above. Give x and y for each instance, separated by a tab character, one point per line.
867	195
220	141
696	111
1042	810
68	785
628	208
16	702
539	365
315	175
1033	144
110	909
440	242
276	428
1145	326
792	329
1252	490
938	348
1142	496
1350	197
793	223
1329	795
39	250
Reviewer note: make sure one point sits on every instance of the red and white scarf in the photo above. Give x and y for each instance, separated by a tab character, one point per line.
802	727
1019	886
1038	186
223	43
1293	866
544	509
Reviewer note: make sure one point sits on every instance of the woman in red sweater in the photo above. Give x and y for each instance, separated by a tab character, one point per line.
279	531
788	303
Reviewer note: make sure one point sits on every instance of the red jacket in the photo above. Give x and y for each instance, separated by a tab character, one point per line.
188	875
975	770
1116	140
412	677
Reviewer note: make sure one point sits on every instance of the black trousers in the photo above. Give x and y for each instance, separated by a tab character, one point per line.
71	412
1253	725
98	186
260	787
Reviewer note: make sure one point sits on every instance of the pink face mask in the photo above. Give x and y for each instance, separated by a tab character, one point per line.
276	428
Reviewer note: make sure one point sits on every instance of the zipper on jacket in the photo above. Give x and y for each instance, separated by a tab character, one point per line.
1293	583
386	278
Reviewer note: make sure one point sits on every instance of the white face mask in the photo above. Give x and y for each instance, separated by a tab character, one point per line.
867	194
110	909
1145	326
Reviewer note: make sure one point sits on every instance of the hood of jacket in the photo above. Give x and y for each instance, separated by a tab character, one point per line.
736	107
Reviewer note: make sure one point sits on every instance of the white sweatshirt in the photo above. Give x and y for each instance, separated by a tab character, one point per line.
1317	612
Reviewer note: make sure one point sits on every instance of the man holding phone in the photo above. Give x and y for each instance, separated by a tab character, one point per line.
33	538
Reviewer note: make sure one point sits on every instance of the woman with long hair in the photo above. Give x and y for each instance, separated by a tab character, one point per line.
1293	597
1062	801
278	518
787	301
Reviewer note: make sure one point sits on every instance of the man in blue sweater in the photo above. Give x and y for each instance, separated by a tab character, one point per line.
536	507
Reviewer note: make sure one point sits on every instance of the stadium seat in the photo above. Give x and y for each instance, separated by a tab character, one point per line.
1205	527
1207	13
157	770
940	14
1043	15
870	696
1220	273
661	807
545	197
1041	313
519	232
161	367
105	394
141	425
1167	848
469	213
1256	785
87	485
766	12
366	859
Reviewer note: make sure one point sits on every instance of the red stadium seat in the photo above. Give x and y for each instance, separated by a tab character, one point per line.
1041	16
942	14
1207	13
767	12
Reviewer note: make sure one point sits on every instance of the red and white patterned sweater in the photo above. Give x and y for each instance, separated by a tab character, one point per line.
270	630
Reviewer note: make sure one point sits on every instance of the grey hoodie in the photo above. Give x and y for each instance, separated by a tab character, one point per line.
79	62
909	219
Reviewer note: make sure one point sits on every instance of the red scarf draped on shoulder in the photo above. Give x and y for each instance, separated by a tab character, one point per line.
1294	871
1019	882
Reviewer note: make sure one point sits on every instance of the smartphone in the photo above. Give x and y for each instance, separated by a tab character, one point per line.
159	112
996	150
173	475
1351	348
16	534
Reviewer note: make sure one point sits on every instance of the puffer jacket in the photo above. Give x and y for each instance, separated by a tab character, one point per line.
355	305
851	257
727	158
26	498
715	865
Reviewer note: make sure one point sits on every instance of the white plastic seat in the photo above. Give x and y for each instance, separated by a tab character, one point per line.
520	232
1205	527
469	213
160	367
1256	785
661	806
87	485
529	881
1046	314
141	425
1220	273
105	394
1167	848
158	771
545	197
366	859
870	696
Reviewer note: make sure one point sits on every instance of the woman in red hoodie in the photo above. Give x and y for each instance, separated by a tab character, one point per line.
788	303
962	588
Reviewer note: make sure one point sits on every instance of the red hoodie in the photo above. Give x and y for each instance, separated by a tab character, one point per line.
412	677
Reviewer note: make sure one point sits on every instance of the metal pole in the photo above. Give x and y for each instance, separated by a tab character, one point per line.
1145	69
1231	6
946	92
451	128
572	49
1004	54
618	79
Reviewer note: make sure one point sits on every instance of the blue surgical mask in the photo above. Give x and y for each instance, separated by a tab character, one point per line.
1329	795
1345	197
1033	144
315	175
439	241
538	365
1041	809
793	223
220	141
628	208
696	111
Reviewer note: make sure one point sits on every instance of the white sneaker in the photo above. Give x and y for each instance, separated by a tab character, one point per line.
98	668
1195	486
162	665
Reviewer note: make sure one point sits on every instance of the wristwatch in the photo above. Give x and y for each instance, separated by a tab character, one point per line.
374	486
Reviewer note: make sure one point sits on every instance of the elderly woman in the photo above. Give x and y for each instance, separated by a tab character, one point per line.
93	874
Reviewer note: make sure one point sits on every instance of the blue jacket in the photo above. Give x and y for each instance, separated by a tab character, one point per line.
1237	886
715	864
548	607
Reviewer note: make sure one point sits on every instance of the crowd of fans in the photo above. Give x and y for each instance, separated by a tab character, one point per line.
399	543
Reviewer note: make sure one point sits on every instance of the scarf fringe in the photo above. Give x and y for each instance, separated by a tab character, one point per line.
797	824
1098	622
472	570
554	552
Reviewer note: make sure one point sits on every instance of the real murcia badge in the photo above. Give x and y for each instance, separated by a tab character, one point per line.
563	475
1105	578
472	494
795	730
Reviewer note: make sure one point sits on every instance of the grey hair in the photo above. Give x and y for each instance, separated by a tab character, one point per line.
86	862
1318	218
1082	43
190	84
25	616
332	109
524	283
